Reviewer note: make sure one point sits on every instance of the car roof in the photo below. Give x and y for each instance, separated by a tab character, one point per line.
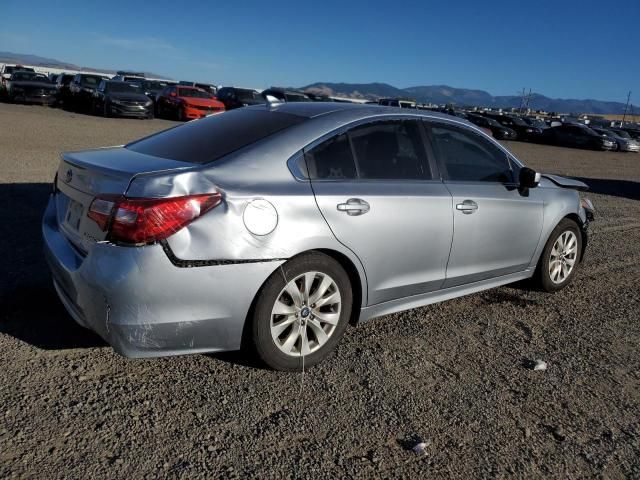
357	110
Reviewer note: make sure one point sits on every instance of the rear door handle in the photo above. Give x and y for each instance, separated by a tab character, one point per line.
467	207
354	206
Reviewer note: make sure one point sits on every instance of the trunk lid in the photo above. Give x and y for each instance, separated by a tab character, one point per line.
84	175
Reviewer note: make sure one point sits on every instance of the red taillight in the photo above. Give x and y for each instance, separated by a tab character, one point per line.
147	220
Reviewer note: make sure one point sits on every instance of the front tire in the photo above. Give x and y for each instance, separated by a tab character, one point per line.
560	257
301	312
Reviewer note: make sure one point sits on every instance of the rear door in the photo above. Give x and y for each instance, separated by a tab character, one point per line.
376	189
496	226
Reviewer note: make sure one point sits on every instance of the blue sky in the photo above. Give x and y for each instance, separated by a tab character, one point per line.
566	49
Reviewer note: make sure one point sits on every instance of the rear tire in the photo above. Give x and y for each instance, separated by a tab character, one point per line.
561	256
290	333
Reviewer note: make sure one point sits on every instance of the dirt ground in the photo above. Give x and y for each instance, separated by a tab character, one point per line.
455	375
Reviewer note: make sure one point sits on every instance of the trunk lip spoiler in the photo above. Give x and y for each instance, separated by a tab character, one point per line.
566	182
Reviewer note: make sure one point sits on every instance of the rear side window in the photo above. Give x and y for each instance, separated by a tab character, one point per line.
212	138
331	160
465	156
390	151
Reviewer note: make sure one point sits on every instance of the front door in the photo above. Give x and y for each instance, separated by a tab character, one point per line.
375	188
496	226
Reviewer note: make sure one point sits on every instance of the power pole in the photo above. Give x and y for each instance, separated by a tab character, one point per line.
528	99
626	107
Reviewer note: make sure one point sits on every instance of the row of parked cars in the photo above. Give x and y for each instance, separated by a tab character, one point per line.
511	126
131	94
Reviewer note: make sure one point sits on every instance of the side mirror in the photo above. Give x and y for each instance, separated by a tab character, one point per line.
529	178
173	94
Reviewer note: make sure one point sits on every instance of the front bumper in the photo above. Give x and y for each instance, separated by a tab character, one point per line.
26	97
192	112
142	304
123	110
630	147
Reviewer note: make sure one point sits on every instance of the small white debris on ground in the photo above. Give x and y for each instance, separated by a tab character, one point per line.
540	365
421	448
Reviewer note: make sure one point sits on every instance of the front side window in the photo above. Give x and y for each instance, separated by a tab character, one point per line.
390	151
466	156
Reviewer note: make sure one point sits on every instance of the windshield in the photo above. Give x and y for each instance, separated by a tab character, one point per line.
90	81
249	96
29	77
535	122
492	122
294	97
622	133
518	121
122	87
193	93
150	85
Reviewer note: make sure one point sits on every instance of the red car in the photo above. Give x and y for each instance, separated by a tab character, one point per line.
186	103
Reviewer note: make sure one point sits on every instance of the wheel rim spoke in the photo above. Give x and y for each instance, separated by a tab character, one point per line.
330	318
291	340
308	282
278	328
281	308
330	300
322	289
305	350
294	292
318	331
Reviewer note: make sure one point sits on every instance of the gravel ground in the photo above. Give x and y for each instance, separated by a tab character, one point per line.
455	375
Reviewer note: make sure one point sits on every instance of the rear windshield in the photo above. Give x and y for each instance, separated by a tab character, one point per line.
212	138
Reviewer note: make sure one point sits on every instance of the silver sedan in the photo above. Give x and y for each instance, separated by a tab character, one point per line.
274	227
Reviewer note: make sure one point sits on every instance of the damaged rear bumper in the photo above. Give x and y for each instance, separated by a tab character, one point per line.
142	304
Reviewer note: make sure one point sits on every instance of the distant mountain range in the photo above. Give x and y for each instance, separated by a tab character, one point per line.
44	62
443	94
438	94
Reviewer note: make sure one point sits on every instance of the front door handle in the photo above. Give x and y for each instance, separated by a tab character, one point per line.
467	207
354	206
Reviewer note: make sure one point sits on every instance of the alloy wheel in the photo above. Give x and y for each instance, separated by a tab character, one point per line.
305	314
563	257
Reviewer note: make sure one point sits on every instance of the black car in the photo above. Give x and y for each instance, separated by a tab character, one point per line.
633	132
498	131
233	97
577	136
30	87
124	99
62	87
81	91
151	88
523	130
535	122
5	75
283	95
316	97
